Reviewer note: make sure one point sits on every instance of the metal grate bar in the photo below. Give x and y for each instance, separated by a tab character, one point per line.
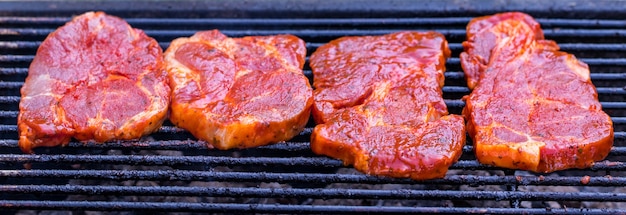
449	74
195	144
278	208
162	129
10	85
176	160
300	147
8	114
449	103
316	178
9	99
600	90
212	160
454	60
453	46
562	32
613	105
594	76
13	114
589	61
8	128
172	129
13	71
168	145
316	21
310	193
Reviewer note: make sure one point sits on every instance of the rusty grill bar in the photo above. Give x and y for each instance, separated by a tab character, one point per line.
170	171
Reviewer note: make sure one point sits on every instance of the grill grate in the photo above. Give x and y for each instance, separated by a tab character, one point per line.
171	171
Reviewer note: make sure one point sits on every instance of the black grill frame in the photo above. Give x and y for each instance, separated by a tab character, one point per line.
596	31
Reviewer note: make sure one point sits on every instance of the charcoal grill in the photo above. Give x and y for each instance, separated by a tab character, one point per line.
170	171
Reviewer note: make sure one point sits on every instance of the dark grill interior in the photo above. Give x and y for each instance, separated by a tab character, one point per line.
171	171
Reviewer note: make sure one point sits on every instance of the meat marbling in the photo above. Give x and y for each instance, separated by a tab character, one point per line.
95	78
532	107
239	92
379	105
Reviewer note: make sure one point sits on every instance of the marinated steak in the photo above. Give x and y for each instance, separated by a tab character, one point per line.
532	107
379	103
239	92
95	78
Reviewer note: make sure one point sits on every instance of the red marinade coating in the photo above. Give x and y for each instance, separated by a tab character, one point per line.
379	105
95	78
532	107
239	92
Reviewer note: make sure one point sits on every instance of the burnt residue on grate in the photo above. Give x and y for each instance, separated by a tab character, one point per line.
170	171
